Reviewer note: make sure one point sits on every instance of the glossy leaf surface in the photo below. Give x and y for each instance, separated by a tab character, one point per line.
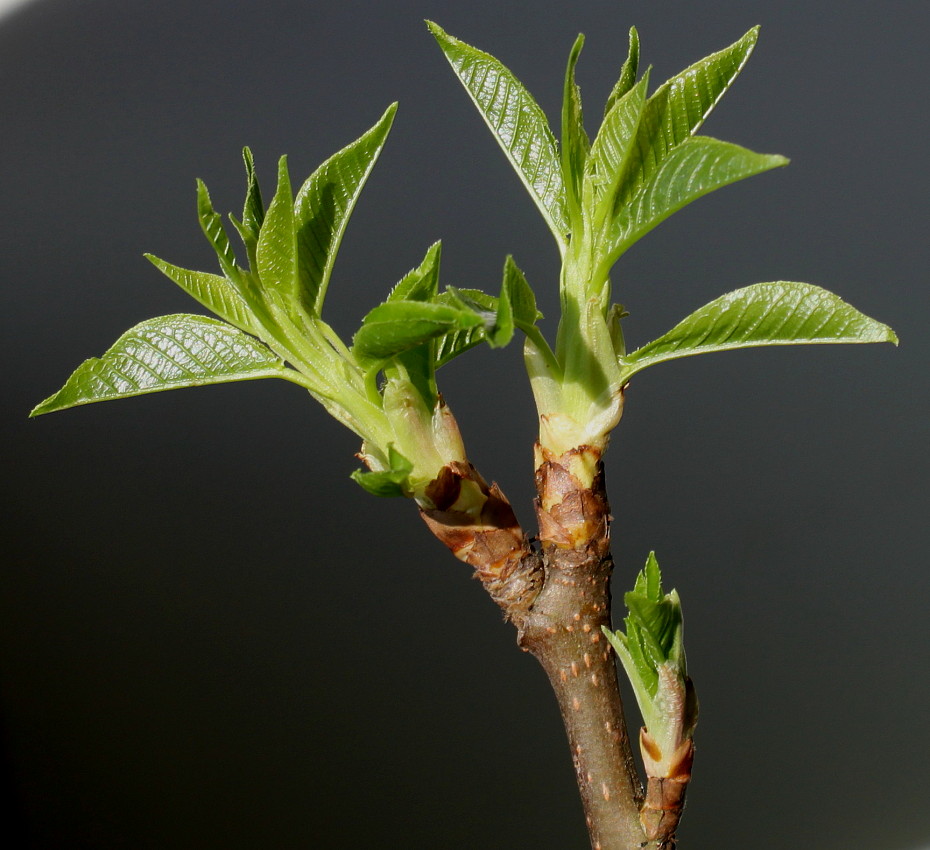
613	145
518	124
325	203
780	313
169	352
695	168
679	107
276	251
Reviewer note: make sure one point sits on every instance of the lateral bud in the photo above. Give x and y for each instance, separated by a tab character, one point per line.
653	656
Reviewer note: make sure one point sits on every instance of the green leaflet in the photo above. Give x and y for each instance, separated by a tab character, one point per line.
780	313
212	225
514	308
169	352
517	123
276	251
216	293
575	143
696	167
253	210
653	637
517	291
396	326
611	150
326	201
388	482
452	344
627	72
680	106
421	283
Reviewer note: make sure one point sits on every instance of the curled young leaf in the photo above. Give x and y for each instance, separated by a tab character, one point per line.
325	203
396	326
575	143
627	73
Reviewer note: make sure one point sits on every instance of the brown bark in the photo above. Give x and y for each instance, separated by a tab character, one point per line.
563	631
558	598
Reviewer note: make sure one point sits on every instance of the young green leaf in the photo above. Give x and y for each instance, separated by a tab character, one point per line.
518	124
253	209
276	251
698	166
575	143
169	352
215	293
396	326
388	482
653	640
501	332
612	147
326	201
212	225
421	283
627	73
517	291
680	106
779	313
450	345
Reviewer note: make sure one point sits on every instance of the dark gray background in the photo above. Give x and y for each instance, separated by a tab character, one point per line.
212	638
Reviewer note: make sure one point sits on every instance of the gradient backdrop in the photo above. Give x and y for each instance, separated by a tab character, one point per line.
212	638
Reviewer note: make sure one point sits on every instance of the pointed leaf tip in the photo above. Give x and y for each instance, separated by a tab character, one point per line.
168	352
778	313
518	124
325	203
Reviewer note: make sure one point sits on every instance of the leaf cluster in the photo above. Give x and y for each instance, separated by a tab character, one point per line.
653	656
270	309
599	196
